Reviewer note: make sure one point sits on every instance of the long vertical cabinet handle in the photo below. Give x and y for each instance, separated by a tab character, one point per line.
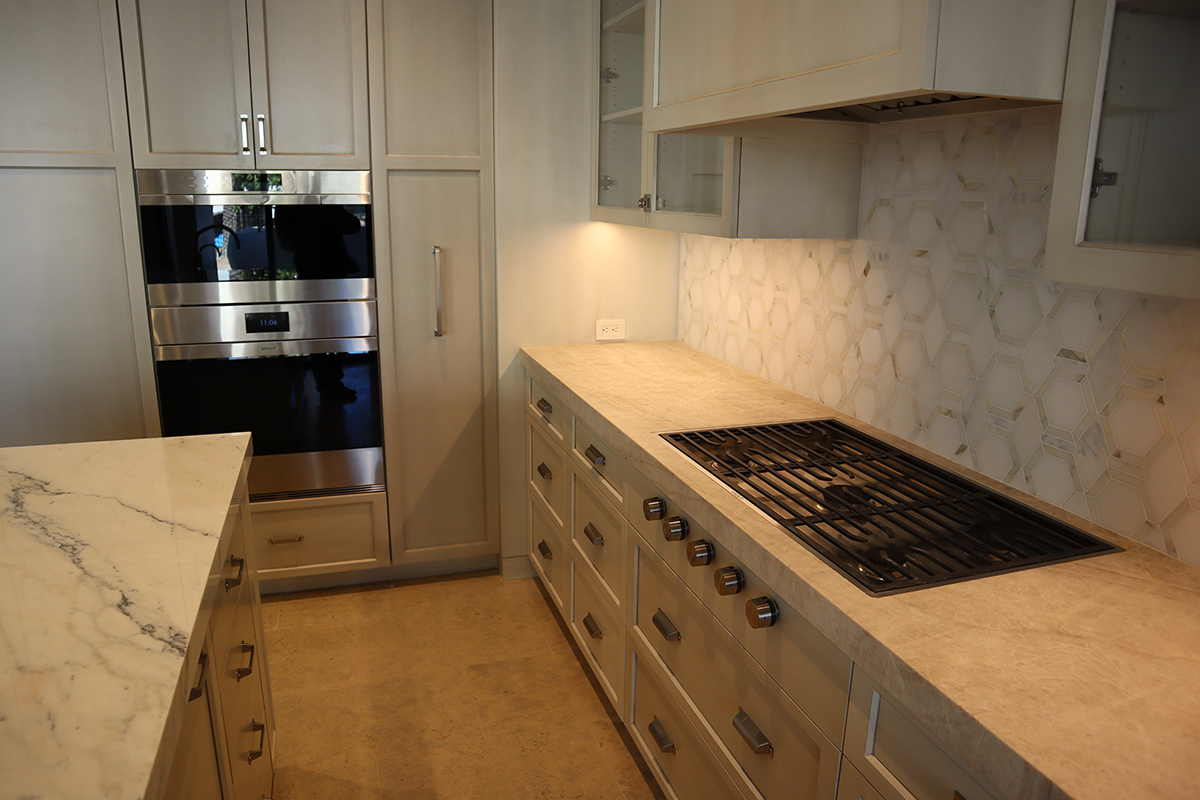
438	330
262	134
244	124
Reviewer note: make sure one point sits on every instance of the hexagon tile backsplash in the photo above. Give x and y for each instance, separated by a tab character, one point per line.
939	327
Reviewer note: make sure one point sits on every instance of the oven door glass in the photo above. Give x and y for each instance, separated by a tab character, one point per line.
291	404
224	244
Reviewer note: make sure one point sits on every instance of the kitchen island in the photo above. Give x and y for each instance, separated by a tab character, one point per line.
1073	680
110	554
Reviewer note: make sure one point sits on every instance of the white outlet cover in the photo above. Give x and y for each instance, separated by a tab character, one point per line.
610	330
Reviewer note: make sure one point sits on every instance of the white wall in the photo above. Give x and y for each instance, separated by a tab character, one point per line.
556	271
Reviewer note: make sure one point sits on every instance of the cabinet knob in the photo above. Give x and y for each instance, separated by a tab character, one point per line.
675	529
729	580
654	508
700	553
761	612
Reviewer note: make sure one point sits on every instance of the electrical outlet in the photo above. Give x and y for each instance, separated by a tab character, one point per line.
610	330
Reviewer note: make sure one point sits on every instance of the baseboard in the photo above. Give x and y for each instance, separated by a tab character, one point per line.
400	572
515	568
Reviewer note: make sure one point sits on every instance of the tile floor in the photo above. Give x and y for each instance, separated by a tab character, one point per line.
456	687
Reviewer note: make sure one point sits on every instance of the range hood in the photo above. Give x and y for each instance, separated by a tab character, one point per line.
939	104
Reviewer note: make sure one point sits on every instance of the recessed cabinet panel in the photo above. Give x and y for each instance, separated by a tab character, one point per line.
189	81
600	630
314	535
548	474
550	556
432	84
599	534
54	95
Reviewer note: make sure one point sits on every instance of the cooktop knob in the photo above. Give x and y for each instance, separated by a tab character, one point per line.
700	553
675	528
761	612
729	580
654	508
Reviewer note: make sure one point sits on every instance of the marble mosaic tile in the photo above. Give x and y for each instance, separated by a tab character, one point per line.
938	326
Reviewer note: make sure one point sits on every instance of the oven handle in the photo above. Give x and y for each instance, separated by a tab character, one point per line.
264	349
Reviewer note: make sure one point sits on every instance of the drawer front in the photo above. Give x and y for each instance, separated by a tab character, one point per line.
897	755
781	751
233	580
599	535
669	740
318	535
547	411
599	630
600	463
810	668
550	556
853	786
548	473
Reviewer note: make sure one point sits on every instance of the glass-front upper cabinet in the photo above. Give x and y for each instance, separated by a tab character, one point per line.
1124	212
670	181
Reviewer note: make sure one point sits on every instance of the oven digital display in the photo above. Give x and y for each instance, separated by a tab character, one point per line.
270	322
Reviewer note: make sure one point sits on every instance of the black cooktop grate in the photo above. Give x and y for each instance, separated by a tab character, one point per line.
888	520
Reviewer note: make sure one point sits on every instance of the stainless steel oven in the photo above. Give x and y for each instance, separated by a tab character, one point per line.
261	287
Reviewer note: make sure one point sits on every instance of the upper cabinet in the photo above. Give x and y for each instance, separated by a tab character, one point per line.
1123	213
719	62
244	84
784	179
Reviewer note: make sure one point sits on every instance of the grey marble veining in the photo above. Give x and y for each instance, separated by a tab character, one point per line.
105	552
1074	680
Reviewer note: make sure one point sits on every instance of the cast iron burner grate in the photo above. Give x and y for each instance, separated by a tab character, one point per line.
889	521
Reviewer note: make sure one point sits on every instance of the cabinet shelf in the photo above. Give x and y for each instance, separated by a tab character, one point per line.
631	20
630	116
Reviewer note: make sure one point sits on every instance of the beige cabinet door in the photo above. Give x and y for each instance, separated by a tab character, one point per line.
439	377
239	673
196	771
188	70
308	63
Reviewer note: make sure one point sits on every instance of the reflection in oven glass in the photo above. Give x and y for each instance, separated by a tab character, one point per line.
292	404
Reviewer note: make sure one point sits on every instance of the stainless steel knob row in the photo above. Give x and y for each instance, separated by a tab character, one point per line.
700	553
654	508
675	529
761	612
729	580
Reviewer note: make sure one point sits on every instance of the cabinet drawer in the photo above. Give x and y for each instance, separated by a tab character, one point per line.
320	534
897	755
813	672
599	535
548	473
669	741
853	786
600	631
549	555
599	461
546	410
782	752
233	578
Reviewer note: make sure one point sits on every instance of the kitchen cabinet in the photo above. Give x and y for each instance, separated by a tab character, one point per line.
321	535
197	771
268	84
717	62
76	358
430	79
793	180
1123	215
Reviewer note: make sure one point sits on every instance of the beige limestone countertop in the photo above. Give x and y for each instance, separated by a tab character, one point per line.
1077	680
108	558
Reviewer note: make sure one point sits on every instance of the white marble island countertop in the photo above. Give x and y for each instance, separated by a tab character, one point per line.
105	552
1076	680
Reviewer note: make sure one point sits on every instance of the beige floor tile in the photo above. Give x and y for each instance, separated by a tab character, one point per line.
433	712
544	686
297	783
317	657
631	772
331	606
326	733
463	771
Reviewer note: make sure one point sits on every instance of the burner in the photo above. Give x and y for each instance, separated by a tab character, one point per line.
887	520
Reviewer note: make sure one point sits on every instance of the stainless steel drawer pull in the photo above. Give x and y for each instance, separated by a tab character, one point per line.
261	727
594	456
545	550
594	536
291	540
236	580
242	672
665	626
660	737
198	690
438	330
752	735
262	134
592	628
544	471
244	124
543	405
675	529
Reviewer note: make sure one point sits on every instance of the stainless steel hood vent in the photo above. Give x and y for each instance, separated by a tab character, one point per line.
940	104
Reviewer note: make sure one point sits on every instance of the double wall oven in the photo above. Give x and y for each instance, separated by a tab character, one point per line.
262	304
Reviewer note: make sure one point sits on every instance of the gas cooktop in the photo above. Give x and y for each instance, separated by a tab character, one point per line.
887	520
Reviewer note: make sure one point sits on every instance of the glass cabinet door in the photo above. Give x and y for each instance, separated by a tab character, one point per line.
620	140
688	173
